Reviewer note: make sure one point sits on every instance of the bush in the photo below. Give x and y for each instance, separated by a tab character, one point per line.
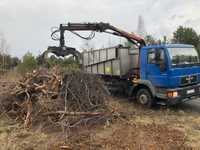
65	64
28	63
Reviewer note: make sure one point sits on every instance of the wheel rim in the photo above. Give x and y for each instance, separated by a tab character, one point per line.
143	99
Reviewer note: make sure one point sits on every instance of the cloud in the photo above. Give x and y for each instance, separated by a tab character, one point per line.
27	23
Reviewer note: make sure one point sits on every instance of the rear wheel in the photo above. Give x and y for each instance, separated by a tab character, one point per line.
145	98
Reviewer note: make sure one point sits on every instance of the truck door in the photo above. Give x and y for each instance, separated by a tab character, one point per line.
157	67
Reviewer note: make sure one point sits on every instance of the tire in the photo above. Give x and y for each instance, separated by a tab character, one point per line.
145	98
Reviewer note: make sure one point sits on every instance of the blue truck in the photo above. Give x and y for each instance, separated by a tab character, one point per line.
151	74
170	73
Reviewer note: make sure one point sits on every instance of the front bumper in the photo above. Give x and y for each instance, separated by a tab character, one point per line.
184	94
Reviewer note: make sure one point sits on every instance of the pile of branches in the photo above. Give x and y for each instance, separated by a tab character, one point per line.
83	92
49	96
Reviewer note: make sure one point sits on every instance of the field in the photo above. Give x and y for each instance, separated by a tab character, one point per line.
131	126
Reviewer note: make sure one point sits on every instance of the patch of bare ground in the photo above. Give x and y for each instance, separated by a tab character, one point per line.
138	136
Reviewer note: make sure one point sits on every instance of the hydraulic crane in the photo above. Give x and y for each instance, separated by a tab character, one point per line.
63	50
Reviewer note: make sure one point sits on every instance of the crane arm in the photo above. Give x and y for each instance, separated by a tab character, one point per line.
63	50
100	27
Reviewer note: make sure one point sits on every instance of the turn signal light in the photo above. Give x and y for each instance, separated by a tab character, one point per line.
172	94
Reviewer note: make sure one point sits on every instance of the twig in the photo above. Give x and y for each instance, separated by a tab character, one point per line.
74	113
29	110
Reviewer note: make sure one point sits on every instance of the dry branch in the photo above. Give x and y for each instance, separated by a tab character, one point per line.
74	113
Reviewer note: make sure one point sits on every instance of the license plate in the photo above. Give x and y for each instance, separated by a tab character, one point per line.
190	91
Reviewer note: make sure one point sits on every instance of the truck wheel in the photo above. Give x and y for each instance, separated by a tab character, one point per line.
145	98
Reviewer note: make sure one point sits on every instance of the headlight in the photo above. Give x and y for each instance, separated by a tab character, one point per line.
172	94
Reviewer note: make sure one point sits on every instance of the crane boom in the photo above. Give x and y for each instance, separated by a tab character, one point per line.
63	50
100	27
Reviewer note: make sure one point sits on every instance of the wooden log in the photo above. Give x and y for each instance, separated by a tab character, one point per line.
74	113
66	147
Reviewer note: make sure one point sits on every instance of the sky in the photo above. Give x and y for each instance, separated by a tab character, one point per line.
26	24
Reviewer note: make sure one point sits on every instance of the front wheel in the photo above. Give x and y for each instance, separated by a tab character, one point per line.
145	98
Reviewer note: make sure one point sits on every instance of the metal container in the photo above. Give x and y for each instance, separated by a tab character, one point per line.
114	61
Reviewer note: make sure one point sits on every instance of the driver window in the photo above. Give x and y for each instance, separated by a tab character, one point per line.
155	56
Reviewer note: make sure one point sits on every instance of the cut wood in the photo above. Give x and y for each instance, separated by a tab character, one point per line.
75	113
65	147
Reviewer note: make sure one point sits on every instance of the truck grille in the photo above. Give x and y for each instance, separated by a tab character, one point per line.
189	79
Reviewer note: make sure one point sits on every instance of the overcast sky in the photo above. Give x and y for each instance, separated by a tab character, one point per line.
26	24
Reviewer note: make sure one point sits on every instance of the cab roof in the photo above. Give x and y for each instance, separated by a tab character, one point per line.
170	46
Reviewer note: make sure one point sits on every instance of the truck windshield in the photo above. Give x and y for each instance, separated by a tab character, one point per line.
183	56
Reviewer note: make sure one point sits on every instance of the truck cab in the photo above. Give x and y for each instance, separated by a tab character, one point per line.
170	73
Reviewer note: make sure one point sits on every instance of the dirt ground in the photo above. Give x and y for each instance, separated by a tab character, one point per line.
133	128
